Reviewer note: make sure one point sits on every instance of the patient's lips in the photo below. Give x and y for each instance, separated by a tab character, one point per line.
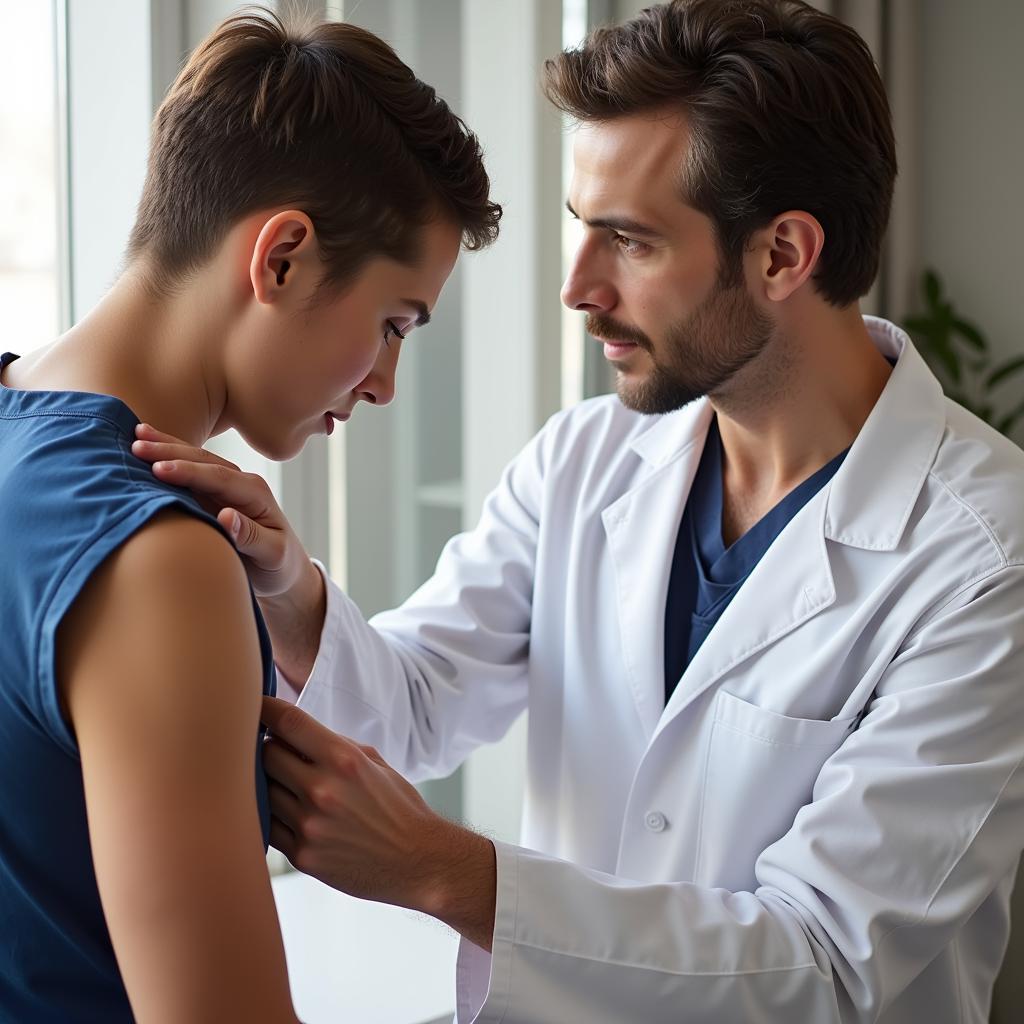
331	417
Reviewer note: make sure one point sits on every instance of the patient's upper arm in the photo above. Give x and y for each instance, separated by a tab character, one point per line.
159	667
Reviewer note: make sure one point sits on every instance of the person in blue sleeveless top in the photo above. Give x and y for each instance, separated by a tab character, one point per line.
305	202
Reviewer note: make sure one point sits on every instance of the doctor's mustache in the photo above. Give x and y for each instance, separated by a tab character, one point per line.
604	328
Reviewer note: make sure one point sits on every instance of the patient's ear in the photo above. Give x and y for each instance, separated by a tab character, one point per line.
285	258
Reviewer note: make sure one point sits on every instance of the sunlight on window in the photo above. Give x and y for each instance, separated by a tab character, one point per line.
574	29
29	283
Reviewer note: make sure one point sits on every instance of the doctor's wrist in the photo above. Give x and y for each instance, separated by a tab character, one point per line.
295	621
460	884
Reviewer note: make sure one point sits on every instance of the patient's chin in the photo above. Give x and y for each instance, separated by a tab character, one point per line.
276	449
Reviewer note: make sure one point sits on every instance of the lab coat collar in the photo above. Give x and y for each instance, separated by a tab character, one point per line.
874	492
669	434
872	495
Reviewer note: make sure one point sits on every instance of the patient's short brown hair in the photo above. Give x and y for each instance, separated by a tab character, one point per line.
320	116
786	111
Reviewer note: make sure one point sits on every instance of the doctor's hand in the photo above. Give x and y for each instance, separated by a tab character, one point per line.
341	814
289	587
242	503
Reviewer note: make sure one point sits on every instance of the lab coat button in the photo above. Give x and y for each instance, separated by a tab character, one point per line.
656	821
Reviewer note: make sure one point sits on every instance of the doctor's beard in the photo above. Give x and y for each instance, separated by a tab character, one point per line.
700	353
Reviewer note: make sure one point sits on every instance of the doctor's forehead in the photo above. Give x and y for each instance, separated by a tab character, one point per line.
633	160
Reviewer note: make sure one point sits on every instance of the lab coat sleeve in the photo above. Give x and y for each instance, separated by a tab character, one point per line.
913	822
432	680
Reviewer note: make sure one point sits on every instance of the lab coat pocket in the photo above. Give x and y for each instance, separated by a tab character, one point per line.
760	770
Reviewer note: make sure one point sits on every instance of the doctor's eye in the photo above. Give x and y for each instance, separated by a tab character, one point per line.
630	246
391	329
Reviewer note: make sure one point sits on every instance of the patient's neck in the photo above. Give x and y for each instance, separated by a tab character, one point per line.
160	356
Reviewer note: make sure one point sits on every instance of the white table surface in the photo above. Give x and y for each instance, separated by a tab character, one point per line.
353	962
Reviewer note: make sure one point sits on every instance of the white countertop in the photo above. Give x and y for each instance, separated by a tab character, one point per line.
353	962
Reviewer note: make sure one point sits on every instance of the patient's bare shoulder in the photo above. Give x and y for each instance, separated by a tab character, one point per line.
166	611
159	663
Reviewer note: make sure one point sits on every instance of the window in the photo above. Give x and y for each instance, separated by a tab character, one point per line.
30	292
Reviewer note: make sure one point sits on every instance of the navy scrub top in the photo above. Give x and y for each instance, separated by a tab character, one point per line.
705	573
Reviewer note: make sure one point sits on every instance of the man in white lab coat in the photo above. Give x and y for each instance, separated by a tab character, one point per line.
765	606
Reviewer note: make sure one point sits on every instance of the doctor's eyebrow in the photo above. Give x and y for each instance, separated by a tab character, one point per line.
623	225
423	317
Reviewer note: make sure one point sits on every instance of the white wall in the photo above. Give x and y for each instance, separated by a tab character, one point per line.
626	9
972	162
972	221
108	134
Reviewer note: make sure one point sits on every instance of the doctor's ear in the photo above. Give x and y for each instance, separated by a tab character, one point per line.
285	245
788	250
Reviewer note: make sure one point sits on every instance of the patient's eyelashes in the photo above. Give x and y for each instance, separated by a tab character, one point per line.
391	329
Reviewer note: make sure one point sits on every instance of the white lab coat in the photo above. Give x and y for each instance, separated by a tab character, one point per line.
824	822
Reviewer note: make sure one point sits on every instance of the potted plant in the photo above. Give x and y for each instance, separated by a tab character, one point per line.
959	355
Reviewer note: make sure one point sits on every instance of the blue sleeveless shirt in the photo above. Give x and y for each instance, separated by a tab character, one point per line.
70	493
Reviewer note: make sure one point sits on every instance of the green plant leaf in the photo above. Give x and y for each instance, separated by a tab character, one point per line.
933	342
918	324
1004	371
948	360
985	412
969	333
932	288
1007	422
961	399
944	317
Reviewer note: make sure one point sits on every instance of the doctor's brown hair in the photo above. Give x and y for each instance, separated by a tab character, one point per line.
322	117
786	111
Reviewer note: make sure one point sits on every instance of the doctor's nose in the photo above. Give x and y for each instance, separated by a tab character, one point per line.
585	289
378	387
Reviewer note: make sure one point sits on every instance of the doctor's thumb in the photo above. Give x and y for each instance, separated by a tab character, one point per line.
244	532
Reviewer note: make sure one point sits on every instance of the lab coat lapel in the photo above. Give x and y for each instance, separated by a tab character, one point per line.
791	584
641	528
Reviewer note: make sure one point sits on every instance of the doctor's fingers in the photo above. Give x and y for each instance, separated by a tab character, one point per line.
153	445
147	432
283	838
206	473
309	837
285	807
219	482
372	753
165	451
284	767
308	737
